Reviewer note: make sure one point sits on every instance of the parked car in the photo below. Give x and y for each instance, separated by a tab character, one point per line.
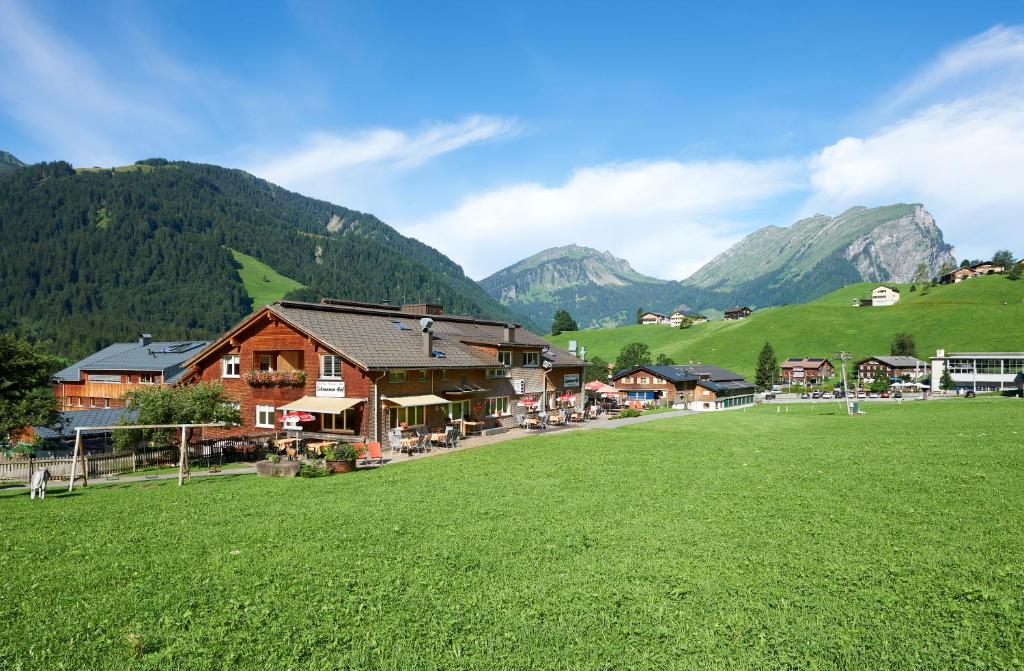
862	394
970	393
885	394
816	394
839	394
804	394
769	396
827	395
873	394
897	394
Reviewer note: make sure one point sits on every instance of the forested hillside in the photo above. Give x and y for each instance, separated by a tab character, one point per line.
97	255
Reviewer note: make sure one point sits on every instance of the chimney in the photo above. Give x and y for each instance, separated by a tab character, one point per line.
510	333
572	347
940	353
428	342
145	339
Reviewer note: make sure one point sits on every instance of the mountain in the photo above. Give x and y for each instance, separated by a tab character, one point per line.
92	256
774	265
9	163
771	266
981	314
598	288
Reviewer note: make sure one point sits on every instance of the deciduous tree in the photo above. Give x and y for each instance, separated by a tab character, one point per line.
26	397
632	355
903	345
563	321
191	404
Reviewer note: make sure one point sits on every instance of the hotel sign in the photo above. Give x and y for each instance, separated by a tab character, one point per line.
571	381
331	388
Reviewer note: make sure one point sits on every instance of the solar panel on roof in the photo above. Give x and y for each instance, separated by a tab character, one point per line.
401	326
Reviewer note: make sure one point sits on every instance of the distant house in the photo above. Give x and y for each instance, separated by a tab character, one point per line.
987	268
958	275
61	438
101	379
890	367
676	318
738	313
883	295
697	387
806	370
653	318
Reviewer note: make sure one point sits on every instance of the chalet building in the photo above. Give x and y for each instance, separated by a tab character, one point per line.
979	371
653	318
987	268
957	276
360	369
697	387
738	313
891	368
806	370
883	295
101	379
675	320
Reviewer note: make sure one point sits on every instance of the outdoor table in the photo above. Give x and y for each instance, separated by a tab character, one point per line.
317	447
283	443
531	422
472	427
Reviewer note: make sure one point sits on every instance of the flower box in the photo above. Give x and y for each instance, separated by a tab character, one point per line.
273	378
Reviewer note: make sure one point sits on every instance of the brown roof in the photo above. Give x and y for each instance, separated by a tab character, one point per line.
805	363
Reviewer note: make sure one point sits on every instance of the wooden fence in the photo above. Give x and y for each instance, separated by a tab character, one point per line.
97	464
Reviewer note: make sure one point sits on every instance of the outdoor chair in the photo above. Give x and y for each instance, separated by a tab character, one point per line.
374	455
423	443
447	440
395	441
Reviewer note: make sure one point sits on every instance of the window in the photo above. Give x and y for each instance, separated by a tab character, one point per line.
990	366
497	405
423	376
498	372
1013	366
95	402
265	416
95	377
397	376
230	366
106	403
643	380
330	366
458	409
265	362
531	359
78	401
344	421
505	357
413	416
147	378
961	366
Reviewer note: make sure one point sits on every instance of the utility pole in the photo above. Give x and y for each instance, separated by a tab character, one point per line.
843	358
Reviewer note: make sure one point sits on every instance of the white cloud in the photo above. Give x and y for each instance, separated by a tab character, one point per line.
326	154
666	217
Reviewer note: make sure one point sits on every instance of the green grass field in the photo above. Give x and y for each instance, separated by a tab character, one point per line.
983	314
263	283
746	539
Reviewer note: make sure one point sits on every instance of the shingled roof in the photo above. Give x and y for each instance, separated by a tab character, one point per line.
167	358
687	373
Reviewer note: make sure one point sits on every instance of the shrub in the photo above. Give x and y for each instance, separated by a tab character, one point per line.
273	458
629	412
344	452
313	471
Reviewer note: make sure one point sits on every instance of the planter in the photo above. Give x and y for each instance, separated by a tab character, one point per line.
284	469
341	466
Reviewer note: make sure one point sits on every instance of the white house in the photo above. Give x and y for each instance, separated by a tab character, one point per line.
884	295
979	371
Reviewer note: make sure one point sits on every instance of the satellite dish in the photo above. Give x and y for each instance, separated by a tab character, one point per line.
426	323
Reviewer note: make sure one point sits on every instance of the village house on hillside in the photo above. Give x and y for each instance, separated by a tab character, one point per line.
102	379
978	371
738	313
881	296
698	387
653	318
967	272
890	367
361	369
806	370
676	319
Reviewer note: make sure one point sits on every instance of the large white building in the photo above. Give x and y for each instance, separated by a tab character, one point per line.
979	371
884	295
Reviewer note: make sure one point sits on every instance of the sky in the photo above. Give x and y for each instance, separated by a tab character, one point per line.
662	132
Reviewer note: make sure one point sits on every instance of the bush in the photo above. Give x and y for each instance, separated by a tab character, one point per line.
629	412
273	458
344	452
313	471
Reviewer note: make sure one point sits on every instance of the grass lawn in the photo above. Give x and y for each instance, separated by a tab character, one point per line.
263	283
981	314
745	539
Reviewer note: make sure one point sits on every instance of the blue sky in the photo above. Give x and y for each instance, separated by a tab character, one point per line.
661	131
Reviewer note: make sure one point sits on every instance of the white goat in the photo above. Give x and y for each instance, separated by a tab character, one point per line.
39	480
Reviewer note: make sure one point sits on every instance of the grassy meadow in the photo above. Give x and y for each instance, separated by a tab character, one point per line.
982	314
748	539
263	283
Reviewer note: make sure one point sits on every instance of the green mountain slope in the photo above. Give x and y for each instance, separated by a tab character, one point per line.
92	256
986	313
8	163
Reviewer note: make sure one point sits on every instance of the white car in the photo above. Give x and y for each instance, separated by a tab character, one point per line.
827	394
873	394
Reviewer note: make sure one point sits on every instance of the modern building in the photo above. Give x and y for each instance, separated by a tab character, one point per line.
978	371
697	387
101	379
811	370
653	318
893	368
738	313
360	369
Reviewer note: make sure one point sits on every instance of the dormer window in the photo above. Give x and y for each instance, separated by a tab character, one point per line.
505	357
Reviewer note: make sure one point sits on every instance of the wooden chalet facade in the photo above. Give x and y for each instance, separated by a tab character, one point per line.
648	318
806	370
697	387
738	313
101	380
891	368
360	369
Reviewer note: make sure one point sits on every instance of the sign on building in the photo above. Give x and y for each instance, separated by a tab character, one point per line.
332	388
571	380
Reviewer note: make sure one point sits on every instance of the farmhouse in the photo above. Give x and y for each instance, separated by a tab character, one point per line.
738	313
362	368
653	318
698	387
101	379
676	318
890	367
806	370
884	295
987	268
978	371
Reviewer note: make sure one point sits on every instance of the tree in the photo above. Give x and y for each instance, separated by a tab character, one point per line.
767	364
1003	258
26	398
639	315
946	381
903	345
563	321
913	288
965	263
1015	272
663	360
597	370
191	404
632	355
946	268
921	275
880	384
